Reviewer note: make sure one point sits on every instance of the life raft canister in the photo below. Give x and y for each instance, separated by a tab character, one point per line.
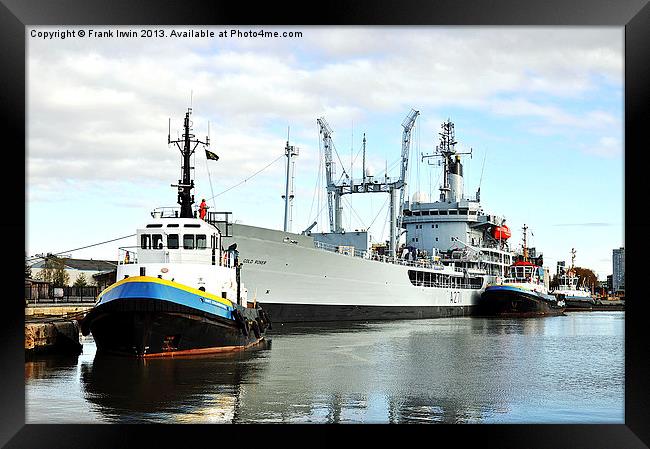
501	232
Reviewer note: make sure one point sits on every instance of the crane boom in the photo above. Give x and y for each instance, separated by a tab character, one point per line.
326	132
408	123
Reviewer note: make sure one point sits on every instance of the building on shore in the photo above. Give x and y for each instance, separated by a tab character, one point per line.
95	272
618	273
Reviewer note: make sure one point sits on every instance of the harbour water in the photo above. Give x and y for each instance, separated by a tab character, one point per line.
567	369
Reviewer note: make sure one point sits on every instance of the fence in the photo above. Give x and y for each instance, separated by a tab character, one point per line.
45	293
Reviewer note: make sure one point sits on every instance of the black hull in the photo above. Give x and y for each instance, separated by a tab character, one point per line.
154	328
297	313
513	303
578	305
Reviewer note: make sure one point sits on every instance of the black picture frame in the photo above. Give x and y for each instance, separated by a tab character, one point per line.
634	15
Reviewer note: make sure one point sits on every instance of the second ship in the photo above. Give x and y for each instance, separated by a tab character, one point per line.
450	250
523	293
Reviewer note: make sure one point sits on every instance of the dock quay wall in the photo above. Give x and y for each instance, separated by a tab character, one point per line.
57	335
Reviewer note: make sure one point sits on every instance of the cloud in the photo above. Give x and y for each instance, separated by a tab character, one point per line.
98	110
586	224
605	147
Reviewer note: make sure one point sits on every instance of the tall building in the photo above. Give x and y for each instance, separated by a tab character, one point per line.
618	275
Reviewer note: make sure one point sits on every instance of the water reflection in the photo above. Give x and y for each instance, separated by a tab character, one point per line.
48	366
458	370
186	389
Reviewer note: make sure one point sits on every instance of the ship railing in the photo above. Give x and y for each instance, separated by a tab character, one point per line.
419	263
339	250
166	212
127	255
134	254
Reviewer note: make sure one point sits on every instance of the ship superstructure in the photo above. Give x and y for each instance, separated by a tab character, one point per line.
455	228
576	296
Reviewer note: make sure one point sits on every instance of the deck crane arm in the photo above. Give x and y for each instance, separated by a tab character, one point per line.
326	133
408	123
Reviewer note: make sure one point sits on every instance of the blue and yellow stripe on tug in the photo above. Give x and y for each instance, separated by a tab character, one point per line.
147	287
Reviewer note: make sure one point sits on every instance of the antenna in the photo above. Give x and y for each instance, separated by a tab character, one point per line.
480	181
482	168
364	160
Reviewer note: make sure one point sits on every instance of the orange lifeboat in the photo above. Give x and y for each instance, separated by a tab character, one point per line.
501	232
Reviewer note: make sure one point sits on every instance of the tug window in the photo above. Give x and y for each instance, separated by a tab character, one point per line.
157	241
172	241
145	241
188	241
201	241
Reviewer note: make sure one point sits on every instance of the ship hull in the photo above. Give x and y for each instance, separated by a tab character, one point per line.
296	282
577	302
502	301
291	313
143	333
153	325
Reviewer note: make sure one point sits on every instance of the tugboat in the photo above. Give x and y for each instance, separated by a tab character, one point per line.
575	297
179	292
523	293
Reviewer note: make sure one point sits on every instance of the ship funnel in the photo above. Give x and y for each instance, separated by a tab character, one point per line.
455	179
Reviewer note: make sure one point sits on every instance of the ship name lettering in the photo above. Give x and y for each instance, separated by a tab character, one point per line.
254	261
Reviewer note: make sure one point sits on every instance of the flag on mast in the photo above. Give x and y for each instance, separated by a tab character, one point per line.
211	156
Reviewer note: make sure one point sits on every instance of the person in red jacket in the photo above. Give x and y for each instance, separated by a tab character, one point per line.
203	208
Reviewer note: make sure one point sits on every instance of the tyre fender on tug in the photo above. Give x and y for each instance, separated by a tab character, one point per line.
256	329
241	321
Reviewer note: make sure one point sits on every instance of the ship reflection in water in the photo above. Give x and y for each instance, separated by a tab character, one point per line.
567	369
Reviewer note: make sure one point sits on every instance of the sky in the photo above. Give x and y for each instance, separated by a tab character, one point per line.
540	108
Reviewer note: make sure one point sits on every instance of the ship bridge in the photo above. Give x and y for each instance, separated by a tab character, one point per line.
439	224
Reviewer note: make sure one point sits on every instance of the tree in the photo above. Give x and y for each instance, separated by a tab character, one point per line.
81	280
28	269
586	277
53	271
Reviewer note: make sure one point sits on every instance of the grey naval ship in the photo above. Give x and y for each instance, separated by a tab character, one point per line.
438	260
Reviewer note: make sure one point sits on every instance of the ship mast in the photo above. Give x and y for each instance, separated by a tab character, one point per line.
186	184
573	257
289	151
573	260
451	189
525	248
